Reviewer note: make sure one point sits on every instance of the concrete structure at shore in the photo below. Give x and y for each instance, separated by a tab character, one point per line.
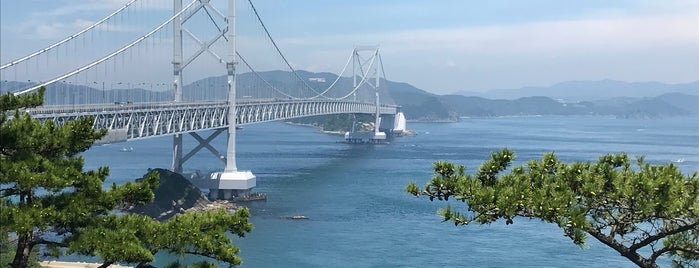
384	129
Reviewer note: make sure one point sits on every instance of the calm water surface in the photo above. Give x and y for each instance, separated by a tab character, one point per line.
361	217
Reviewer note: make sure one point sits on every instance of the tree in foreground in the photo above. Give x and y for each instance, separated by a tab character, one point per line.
46	198
634	209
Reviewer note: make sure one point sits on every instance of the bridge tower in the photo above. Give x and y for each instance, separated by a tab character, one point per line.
230	182
367	66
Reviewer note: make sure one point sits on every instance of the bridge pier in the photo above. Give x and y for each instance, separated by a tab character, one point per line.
177	153
389	126
231	182
228	184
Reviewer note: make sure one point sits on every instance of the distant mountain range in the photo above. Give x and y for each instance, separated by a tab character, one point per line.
606	97
669	104
590	90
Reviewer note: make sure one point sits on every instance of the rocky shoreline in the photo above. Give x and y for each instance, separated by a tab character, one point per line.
320	128
229	206
174	195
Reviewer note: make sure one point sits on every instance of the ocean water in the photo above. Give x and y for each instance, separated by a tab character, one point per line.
360	215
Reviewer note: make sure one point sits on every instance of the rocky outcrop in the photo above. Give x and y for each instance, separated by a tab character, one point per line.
175	194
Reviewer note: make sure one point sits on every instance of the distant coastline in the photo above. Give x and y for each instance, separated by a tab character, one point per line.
433	120
319	128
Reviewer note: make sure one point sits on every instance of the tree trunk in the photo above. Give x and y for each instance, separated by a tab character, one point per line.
24	249
106	264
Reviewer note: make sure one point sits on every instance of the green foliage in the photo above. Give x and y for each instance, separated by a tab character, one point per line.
334	122
48	199
9	101
626	207
140	237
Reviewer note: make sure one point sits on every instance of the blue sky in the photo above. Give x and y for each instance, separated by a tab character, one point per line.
440	46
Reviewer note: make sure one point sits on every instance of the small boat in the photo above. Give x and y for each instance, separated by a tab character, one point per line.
296	217
681	160
126	149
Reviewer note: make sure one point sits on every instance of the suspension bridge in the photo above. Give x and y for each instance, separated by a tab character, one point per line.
134	71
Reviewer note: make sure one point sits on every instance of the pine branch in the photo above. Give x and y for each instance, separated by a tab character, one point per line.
8	192
664	250
623	250
43	241
663	234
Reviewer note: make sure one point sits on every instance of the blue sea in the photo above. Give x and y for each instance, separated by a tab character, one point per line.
359	214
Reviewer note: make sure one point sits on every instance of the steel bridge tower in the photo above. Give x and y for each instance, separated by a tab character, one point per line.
231	181
368	67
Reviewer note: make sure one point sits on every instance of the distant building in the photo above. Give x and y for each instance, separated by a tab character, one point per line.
317	79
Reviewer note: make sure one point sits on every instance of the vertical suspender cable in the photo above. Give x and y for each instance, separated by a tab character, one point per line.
14	62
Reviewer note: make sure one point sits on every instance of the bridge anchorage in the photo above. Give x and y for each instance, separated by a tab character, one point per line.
131	119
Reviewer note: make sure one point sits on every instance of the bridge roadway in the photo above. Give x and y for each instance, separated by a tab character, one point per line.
128	121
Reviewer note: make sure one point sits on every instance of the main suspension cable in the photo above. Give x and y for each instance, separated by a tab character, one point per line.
105	58
261	78
38	52
277	48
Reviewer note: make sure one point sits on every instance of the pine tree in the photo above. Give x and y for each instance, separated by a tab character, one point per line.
48	199
637	209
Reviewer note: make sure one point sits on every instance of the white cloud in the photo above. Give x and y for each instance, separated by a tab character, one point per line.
603	34
69	8
57	21
59	30
536	53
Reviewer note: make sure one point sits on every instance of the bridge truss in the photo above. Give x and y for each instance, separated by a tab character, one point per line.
146	120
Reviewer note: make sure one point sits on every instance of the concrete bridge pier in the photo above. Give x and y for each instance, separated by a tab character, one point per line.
389	126
393	125
231	182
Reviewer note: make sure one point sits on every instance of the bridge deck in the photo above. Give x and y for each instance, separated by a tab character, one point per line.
127	121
